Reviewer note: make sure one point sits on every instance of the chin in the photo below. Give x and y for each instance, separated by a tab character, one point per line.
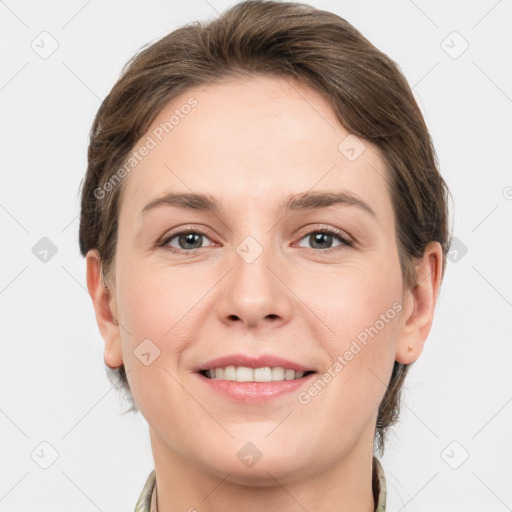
254	460
264	472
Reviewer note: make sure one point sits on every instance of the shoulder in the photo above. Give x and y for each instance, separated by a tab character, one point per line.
398	498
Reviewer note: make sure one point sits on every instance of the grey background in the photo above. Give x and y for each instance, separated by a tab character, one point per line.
54	388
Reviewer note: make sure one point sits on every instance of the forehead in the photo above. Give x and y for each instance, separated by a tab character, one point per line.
252	139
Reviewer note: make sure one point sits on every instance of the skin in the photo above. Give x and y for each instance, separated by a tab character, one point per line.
251	142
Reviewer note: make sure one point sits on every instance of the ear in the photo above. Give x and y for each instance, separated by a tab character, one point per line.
105	310
419	305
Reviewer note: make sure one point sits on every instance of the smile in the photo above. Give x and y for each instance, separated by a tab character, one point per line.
246	374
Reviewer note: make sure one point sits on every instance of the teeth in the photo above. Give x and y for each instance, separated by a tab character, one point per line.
278	373
230	373
289	375
263	374
244	374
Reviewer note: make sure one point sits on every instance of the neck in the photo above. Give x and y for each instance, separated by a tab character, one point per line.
185	486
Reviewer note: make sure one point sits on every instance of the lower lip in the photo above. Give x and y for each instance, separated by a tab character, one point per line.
254	392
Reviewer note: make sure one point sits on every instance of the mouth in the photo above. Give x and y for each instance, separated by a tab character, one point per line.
247	374
242	384
252	379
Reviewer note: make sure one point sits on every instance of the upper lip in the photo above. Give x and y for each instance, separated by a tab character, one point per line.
261	361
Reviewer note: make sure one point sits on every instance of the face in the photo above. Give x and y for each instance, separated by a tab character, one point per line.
263	280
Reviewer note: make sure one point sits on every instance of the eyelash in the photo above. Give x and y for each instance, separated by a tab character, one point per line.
327	229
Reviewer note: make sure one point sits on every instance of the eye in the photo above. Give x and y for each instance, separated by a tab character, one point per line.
323	238
186	240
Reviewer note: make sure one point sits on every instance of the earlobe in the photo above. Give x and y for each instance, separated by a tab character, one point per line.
105	310
420	305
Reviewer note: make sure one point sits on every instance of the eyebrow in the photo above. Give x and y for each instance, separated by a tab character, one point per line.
294	202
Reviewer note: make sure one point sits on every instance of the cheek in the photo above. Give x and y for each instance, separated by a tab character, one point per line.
152	300
151	308
356	302
357	318
164	305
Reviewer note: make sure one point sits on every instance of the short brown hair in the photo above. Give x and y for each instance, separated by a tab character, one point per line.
365	88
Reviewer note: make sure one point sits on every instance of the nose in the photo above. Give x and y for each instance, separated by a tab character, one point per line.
255	292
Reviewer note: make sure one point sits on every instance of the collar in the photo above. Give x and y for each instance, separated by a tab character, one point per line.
147	498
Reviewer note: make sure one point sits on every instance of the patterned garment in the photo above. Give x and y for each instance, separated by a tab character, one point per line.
147	499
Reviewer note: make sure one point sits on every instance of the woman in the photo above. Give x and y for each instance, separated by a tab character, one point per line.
265	230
